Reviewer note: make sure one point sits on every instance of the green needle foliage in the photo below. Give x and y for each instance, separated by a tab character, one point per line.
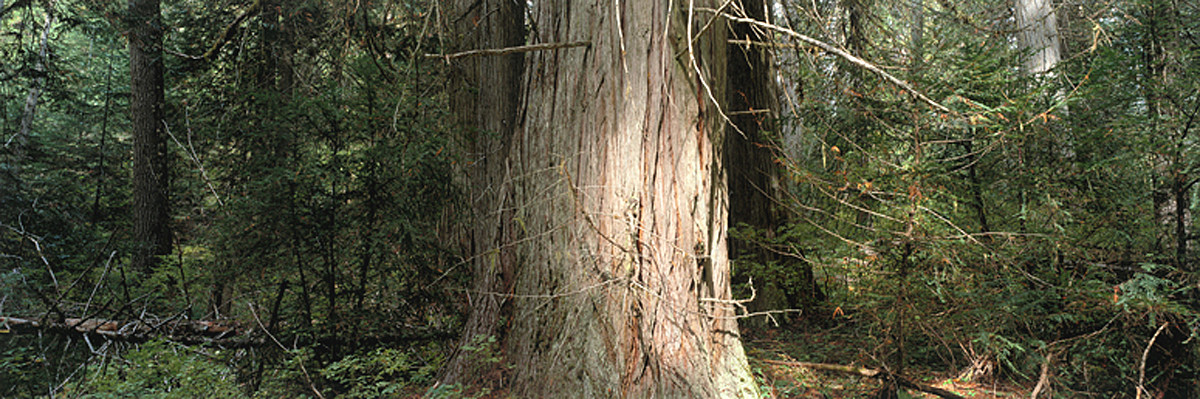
313	194
1031	227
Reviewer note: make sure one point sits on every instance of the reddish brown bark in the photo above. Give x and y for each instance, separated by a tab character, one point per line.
611	252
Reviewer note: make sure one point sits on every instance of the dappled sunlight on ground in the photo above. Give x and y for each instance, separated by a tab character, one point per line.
768	348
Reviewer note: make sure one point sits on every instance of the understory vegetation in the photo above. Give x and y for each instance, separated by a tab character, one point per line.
1035	237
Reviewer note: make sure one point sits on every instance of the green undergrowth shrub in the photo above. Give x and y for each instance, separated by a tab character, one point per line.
383	372
159	369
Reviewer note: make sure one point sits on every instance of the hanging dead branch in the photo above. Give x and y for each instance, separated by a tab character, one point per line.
224	37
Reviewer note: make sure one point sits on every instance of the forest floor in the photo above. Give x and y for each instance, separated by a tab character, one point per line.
775	352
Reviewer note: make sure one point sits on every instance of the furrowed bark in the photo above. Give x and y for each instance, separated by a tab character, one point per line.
606	207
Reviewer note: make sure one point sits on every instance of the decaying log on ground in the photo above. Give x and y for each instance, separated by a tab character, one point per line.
184	331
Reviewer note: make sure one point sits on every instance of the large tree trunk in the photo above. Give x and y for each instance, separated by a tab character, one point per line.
151	214
753	174
611	243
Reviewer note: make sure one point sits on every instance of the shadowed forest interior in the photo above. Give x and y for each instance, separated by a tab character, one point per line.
670	198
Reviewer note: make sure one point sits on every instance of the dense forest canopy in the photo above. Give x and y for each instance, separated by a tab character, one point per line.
487	198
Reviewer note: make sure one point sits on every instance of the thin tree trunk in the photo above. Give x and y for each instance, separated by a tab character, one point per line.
917	41
301	266
35	93
100	172
1171	207
367	232
1162	61
151	179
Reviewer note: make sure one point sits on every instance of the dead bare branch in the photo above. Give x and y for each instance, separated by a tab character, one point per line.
835	51
223	38
509	50
1141	389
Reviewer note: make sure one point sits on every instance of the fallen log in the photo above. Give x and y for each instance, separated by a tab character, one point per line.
866	372
184	331
118	329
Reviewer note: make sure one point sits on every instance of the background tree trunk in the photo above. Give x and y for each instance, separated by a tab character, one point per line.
151	213
485	95
916	40
35	92
1171	196
753	173
615	234
1037	33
